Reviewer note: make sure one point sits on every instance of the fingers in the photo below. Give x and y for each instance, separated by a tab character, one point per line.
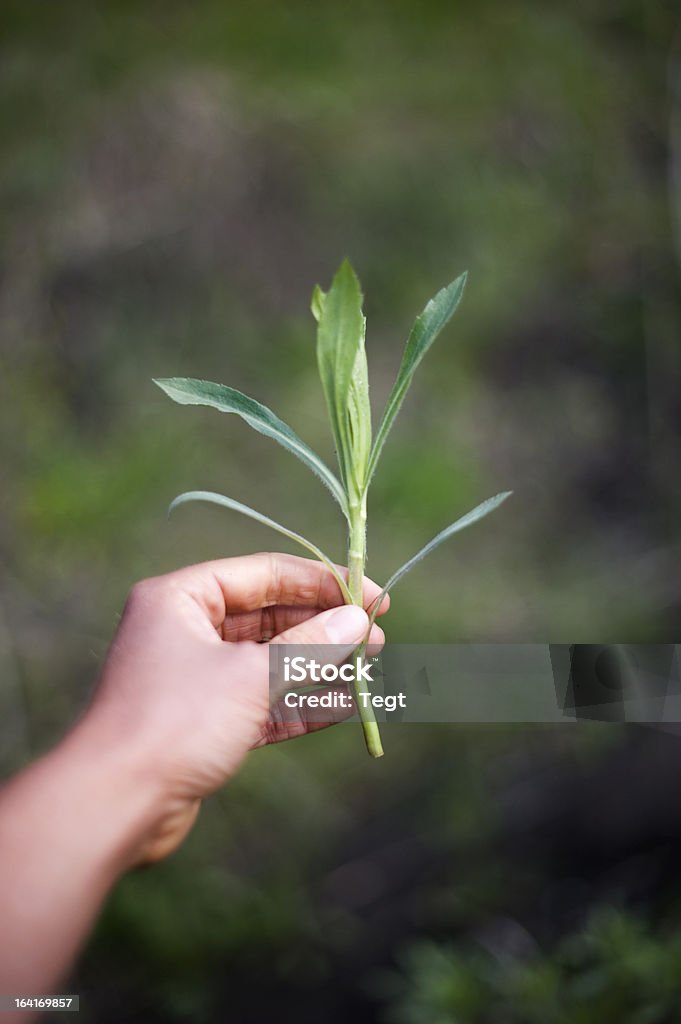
376	641
344	627
328	638
266	623
250	582
287	724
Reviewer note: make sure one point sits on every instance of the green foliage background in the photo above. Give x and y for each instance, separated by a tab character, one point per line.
173	180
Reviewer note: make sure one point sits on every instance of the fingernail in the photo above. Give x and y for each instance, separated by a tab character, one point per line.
347	625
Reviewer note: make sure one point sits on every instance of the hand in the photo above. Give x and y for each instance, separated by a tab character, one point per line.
185	687
183	695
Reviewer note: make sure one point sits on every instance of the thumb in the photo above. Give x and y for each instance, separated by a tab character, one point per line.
328	638
344	628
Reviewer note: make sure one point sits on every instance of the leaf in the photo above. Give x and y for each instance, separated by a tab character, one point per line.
317	303
236	506
342	369
358	417
426	328
471	517
188	391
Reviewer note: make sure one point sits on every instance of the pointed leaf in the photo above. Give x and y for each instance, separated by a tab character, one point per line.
188	391
358	419
236	506
426	328
317	302
471	517
340	340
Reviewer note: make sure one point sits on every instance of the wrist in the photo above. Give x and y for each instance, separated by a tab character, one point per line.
72	823
146	816
115	795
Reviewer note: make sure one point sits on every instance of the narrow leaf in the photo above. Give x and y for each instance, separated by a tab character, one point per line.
317	302
340	340
358	419
236	506
471	517
426	328
188	391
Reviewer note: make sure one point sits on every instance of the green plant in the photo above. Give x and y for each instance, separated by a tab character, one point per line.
342	362
616	969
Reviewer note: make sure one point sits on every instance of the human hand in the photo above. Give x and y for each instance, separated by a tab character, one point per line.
185	687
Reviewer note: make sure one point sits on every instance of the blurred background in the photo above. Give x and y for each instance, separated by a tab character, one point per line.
174	179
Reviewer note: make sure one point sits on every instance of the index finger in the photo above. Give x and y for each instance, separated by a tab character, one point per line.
248	582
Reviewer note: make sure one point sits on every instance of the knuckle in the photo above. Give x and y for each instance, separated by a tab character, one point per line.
140	590
145	592
273	567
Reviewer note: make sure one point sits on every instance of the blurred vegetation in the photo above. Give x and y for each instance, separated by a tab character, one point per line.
612	970
174	178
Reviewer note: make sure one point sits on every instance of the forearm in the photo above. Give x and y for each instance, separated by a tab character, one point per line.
177	709
70	825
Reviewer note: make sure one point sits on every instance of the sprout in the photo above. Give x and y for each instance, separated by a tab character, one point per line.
342	362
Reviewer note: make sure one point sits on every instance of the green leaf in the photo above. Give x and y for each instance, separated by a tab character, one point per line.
188	391
317	303
426	328
471	517
342	368
358	414
236	506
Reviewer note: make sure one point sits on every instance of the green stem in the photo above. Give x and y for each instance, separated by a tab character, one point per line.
356	559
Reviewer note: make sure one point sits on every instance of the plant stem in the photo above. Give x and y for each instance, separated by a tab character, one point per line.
356	559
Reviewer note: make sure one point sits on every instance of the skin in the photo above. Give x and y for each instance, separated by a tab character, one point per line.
182	698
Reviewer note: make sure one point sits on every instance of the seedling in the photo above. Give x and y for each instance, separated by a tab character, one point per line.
341	357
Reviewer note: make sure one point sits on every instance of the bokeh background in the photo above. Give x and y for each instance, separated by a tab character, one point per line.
174	179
